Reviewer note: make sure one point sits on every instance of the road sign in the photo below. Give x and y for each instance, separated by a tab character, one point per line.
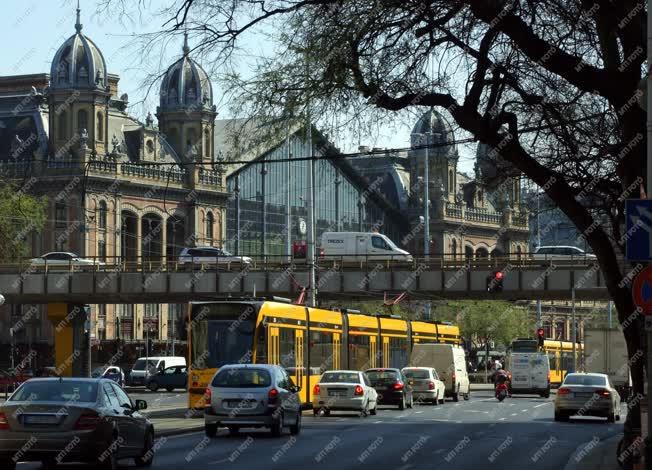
642	290
638	238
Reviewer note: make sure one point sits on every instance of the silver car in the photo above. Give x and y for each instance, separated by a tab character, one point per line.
252	396
210	255
426	385
587	395
344	390
55	420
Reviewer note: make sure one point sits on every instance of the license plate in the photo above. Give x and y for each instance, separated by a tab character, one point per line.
520	379
583	395
242	404
38	419
336	393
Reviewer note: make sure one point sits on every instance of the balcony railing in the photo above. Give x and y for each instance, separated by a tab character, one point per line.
151	172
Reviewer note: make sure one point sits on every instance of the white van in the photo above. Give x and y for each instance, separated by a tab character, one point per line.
146	366
530	372
360	246
450	363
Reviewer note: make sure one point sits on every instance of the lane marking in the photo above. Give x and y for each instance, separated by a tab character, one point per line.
502	419
376	422
418	412
542	404
514	414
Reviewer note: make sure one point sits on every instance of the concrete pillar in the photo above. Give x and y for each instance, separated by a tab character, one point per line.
70	342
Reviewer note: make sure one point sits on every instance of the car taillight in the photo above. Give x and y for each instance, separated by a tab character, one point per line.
272	396
603	393
358	390
316	389
87	421
398	386
207	396
4	423
431	385
563	391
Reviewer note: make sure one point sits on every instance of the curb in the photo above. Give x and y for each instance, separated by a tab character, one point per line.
595	456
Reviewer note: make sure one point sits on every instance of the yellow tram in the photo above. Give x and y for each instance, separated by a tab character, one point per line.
305	341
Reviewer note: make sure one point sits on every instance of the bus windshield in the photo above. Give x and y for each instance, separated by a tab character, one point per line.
222	334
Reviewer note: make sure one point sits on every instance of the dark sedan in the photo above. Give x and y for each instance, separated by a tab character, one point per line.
392	387
169	379
56	420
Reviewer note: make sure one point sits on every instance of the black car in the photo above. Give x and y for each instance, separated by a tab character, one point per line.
392	387
74	420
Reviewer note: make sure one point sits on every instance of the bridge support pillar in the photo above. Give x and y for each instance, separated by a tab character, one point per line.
70	339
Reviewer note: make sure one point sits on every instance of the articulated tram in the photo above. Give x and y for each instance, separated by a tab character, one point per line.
305	341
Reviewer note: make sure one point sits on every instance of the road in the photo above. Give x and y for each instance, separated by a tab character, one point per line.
160	398
516	434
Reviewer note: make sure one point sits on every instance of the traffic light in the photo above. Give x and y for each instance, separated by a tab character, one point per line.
540	337
495	282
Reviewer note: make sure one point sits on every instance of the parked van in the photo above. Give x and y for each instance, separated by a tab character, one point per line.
530	373
360	246
146	366
450	363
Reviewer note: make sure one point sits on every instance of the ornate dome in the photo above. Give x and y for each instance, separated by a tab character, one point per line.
434	123
78	63
186	84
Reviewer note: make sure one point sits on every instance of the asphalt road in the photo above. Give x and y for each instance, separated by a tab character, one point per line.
517	434
160	398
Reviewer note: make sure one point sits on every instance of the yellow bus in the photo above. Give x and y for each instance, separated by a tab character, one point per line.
305	341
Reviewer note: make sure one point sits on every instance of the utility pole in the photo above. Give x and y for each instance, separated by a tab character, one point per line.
574	329
426	205
539	324
311	218
236	191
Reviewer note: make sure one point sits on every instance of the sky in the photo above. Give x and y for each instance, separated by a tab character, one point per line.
31	31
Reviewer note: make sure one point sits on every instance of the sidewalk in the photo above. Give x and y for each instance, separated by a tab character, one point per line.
592	456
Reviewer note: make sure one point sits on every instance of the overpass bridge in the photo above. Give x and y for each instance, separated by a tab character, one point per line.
424	278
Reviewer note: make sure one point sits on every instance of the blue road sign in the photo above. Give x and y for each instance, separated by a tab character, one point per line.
638	238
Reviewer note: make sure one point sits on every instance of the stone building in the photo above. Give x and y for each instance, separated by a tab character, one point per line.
118	189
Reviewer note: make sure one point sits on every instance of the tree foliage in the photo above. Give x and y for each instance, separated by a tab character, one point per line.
20	215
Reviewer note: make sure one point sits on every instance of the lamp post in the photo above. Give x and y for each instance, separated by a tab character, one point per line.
236	191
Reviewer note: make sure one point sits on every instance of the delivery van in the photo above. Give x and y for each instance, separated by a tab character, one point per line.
530	373
361	246
450	363
147	366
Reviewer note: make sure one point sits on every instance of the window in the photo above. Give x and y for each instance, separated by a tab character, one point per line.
287	356
152	310
150	146
321	350
454	248
451	182
82	120
379	242
123	398
207	144
359	351
69	391
60	217
340	377
210	221
398	355
102	215
242	378
227	343
100	127
62	126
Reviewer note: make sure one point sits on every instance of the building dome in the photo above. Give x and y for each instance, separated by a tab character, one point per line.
78	63
434	123
186	84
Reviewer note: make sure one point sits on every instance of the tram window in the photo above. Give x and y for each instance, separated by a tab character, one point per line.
286	348
359	352
228	344
261	346
321	350
553	361
398	352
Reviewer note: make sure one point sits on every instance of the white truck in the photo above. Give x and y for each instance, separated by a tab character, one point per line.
450	363
605	352
361	246
530	373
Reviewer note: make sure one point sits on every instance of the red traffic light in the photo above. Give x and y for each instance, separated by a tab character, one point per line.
498	275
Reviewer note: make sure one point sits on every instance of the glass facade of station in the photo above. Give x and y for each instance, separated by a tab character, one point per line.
266	190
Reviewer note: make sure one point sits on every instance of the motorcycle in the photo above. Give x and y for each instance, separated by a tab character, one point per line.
501	391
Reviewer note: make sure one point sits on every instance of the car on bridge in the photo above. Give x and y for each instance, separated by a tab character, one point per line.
63	260
210	255
561	252
44	416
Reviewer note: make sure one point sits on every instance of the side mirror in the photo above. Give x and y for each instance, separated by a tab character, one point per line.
140	405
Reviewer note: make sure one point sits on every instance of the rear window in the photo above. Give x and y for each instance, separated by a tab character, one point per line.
242	378
344	377
140	364
585	380
416	374
380	376
64	391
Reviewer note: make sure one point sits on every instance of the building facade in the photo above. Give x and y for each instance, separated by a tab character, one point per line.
118	189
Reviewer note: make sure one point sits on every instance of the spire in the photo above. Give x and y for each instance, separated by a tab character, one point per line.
78	25
186	48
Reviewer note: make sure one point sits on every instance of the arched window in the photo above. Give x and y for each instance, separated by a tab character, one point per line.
519	252
62	126
210	221
454	248
451	182
207	144
82	120
101	216
100	127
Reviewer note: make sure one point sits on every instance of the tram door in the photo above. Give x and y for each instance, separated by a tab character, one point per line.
273	345
337	344
373	352
300	372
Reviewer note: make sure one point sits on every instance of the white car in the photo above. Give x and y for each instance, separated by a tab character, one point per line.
63	259
210	255
562	253
344	390
426	385
589	394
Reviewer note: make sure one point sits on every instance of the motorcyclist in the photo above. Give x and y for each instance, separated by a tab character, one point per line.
502	376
